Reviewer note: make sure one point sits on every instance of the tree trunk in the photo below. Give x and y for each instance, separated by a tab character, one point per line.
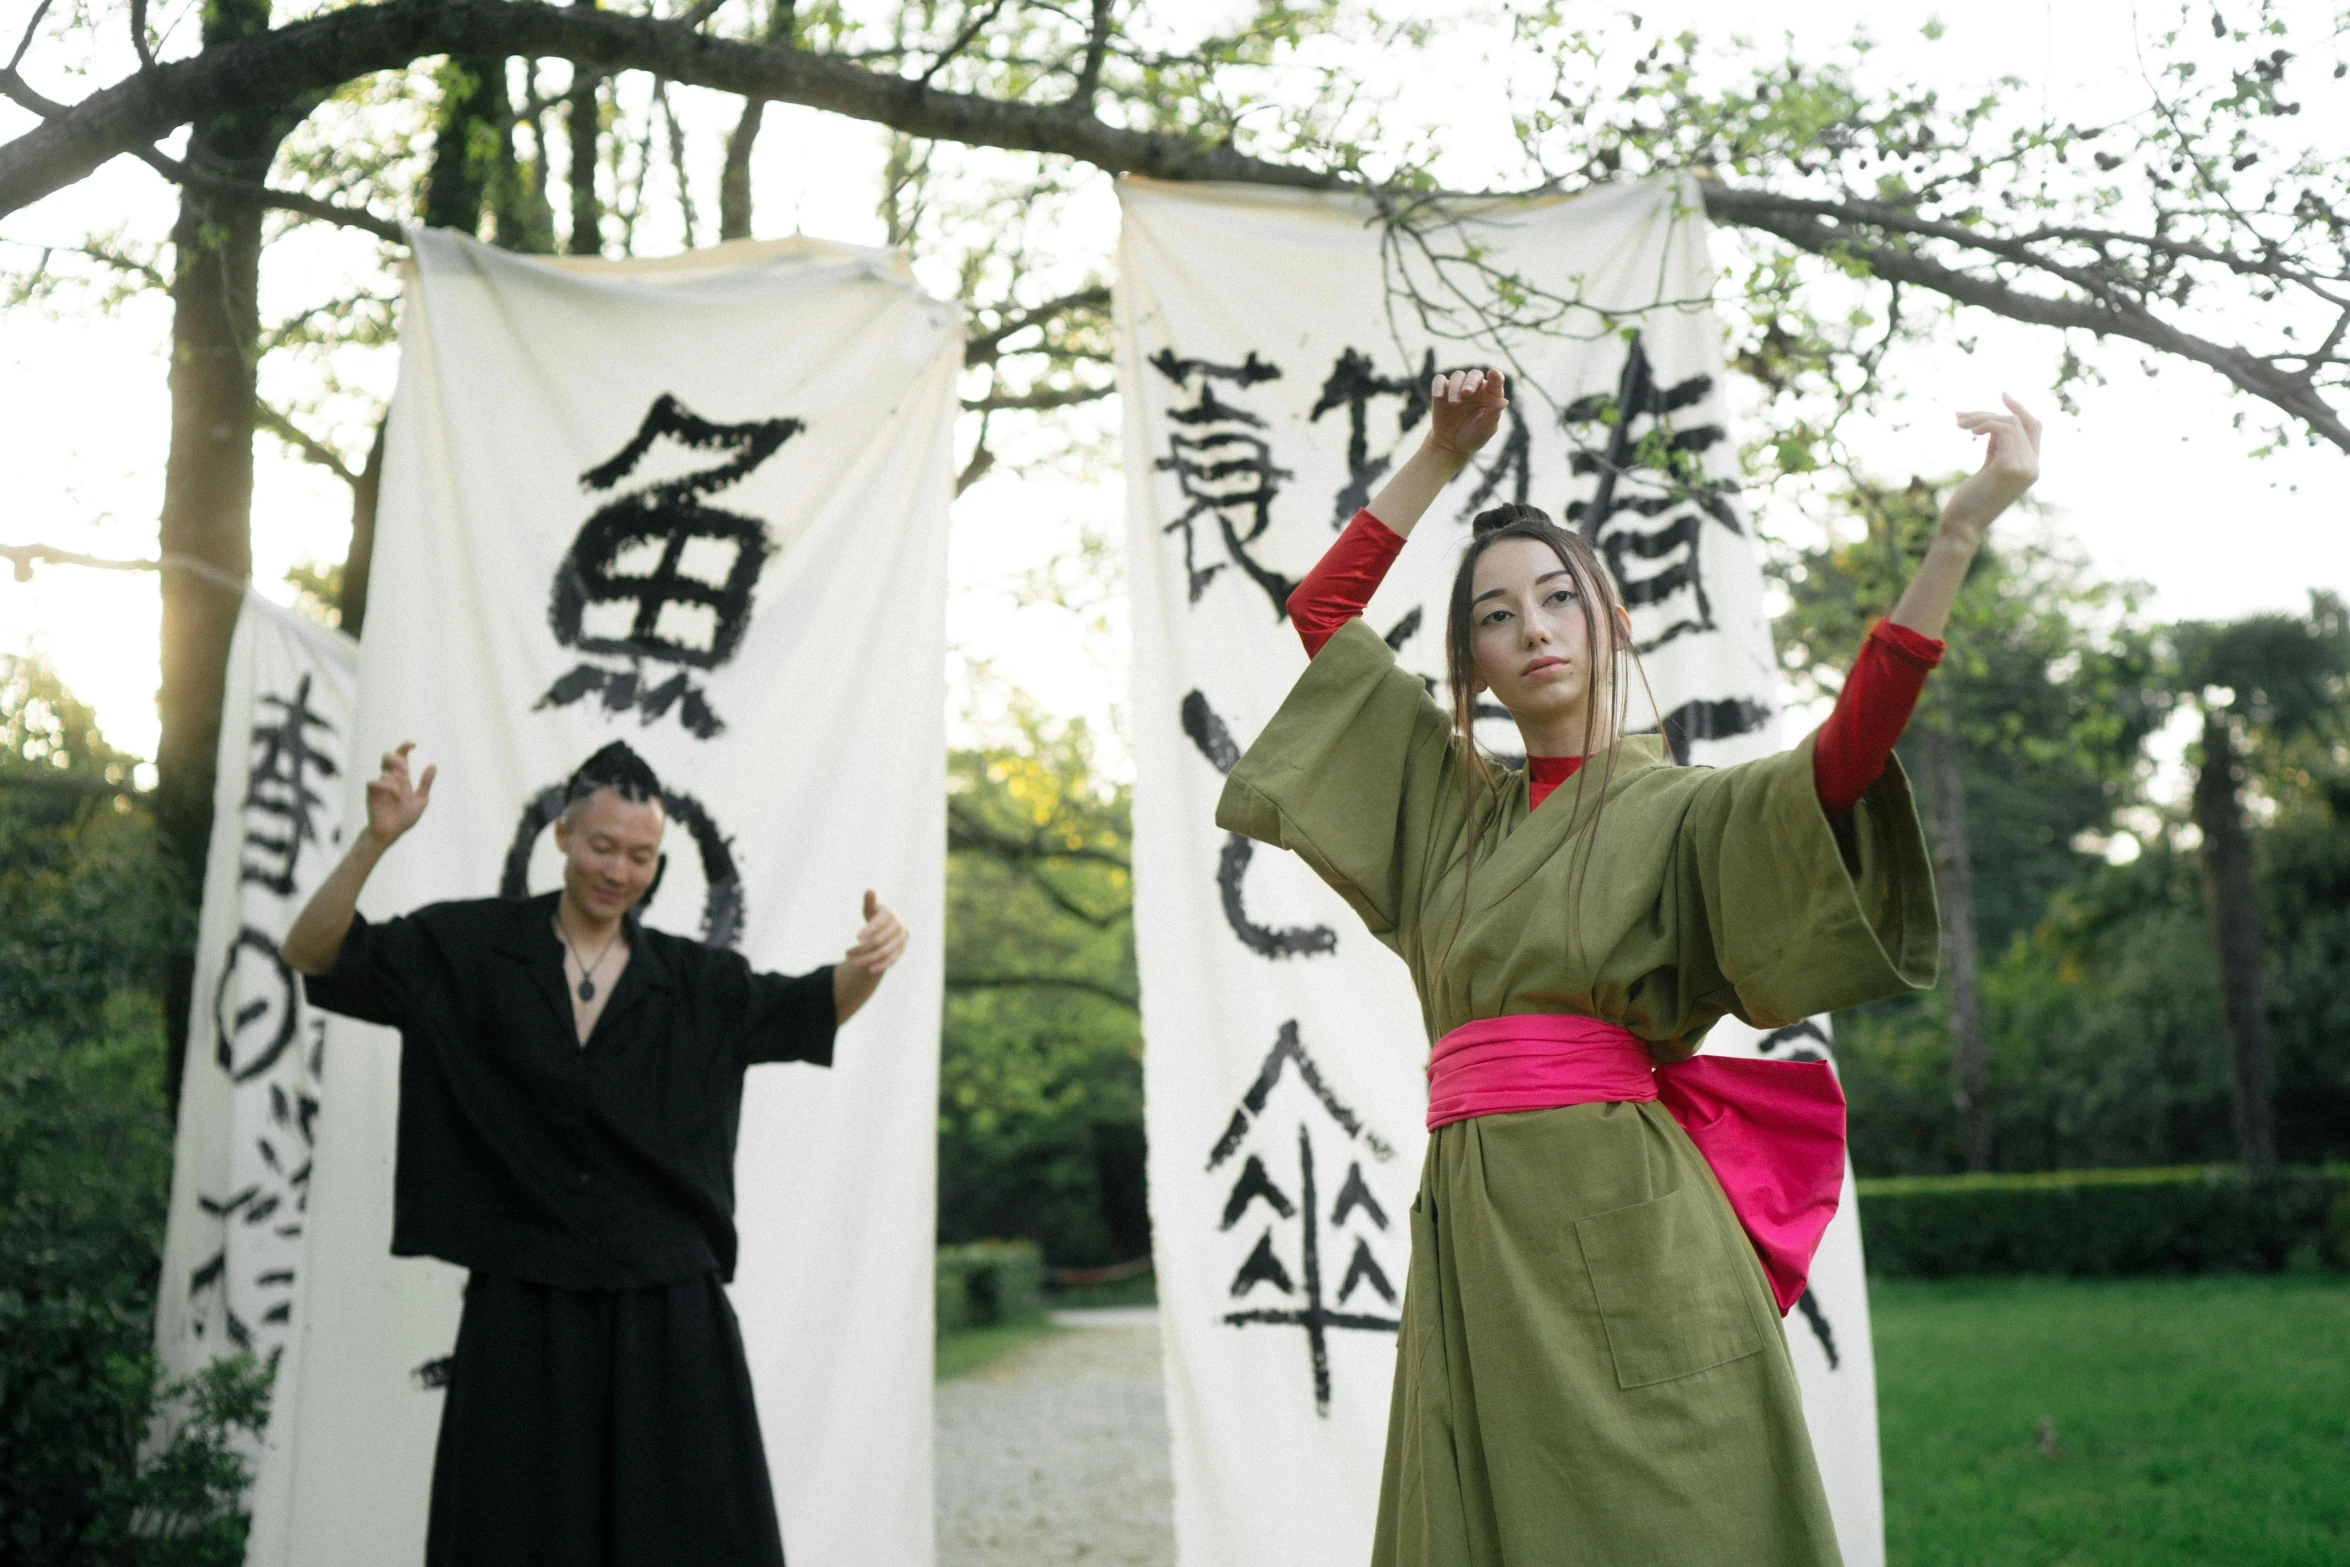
1954	875
352	608
2234	909
522	214
467	135
584	121
734	185
207	485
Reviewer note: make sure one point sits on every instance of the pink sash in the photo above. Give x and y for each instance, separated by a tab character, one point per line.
1772	1131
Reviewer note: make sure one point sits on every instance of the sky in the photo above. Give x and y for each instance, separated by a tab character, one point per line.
2149	478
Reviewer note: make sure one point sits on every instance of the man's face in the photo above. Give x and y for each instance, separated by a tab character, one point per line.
611	850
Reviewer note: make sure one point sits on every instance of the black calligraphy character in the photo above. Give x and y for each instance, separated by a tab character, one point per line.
1308	1304
1651	500
1355	382
1207	731
722	882
1794	1034
658	575
1223	471
279	799
1820	1327
250	1039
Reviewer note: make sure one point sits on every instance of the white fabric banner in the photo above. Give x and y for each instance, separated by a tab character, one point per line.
1272	372
699	505
249	1100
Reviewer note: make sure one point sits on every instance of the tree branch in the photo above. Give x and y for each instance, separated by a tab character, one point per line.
982	463
1062	397
287	63
69	783
14	86
962	42
139	35
1097	44
25	556
268	196
988	347
26	42
964	832
310	57
1798	223
311	448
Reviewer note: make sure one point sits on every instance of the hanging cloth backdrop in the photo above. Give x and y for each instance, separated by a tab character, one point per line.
249	1101
1271	375
699	505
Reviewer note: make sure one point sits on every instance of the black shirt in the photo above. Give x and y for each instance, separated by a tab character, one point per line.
525	1155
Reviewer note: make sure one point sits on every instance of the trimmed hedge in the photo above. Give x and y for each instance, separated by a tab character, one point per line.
2104	1223
989	1282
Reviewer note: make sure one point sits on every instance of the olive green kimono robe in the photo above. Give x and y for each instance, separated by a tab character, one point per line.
1590	1369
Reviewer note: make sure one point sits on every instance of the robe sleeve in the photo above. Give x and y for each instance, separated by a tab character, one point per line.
1798	912
1343	580
1353	775
784	1017
374	971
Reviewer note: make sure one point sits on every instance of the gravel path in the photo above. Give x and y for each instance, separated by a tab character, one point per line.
1057	1453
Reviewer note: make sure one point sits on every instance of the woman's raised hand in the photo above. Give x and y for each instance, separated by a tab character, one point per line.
2010	463
393	803
1466	408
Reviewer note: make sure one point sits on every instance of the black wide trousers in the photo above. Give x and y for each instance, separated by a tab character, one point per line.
606	1428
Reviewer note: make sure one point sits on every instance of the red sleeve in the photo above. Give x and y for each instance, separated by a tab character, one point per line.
1343	580
1871	711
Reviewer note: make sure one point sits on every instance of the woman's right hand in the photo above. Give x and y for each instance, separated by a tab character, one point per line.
394	804
1466	408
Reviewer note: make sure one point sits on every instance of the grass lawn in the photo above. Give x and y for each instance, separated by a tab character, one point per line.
2199	1421
962	1351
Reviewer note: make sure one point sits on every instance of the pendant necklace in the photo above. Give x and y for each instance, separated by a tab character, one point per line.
587	972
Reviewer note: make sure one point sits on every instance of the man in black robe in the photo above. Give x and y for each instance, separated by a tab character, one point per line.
570	1087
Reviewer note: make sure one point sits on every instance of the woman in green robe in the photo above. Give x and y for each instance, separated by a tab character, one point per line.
1590	1368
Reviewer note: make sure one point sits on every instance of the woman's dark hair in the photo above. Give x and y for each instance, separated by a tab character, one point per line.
1615	664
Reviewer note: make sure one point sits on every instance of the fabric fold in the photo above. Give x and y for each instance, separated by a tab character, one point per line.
1771	1131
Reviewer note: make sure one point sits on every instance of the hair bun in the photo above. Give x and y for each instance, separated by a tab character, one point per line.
1495	518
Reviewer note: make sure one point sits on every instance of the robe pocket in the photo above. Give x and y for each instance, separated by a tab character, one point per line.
1669	1296
1423	1298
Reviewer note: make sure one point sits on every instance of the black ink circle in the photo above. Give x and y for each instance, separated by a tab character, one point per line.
229	1030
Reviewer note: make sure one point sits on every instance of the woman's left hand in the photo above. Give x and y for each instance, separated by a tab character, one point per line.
2010	464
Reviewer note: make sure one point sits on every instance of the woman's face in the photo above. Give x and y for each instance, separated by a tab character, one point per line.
1528	642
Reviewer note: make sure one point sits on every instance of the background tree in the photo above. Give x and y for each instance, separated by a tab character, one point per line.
2197	213
1040	1095
2026	738
87	911
2265	680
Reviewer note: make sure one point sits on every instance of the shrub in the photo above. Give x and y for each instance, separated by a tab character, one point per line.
85	1158
2096	1223
87	912
989	1282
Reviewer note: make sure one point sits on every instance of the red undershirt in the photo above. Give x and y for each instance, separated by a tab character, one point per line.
1853	745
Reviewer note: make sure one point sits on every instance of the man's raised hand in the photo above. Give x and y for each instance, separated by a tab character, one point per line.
1465	409
394	803
880	943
